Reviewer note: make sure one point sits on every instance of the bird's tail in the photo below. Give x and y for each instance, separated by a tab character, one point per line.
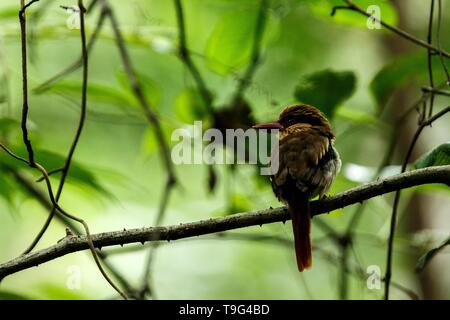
301	224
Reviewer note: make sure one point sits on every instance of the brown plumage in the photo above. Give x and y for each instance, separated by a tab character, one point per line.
308	164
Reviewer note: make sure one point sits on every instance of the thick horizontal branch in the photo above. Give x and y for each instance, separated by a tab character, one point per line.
70	243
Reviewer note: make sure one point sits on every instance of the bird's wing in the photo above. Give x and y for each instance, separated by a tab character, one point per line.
300	150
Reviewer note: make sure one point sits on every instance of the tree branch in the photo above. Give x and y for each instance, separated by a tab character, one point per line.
70	244
139	93
42	198
76	64
354	7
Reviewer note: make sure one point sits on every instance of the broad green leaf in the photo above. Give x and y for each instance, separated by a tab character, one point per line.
230	45
97	92
189	106
439	156
8	295
359	117
149	142
151	88
7	187
78	173
432	188
4	89
423	260
7	125
9	13
239	203
402	71
326	89
323	9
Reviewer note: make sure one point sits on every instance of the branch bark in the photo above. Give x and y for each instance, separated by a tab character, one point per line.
70	244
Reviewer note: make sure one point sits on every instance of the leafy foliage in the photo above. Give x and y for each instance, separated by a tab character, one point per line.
189	105
323	9
439	156
423	260
97	92
230	44
78	173
403	70
8	295
7	125
326	89
151	88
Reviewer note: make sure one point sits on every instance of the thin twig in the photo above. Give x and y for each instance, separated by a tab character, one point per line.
79	220
330	257
423	260
430	57
31	162
139	93
43	200
23	38
347	237
66	214
424	124
245	81
187	60
150	115
444	65
68	161
436	91
353	7
51	172
146	287
78	63
426	94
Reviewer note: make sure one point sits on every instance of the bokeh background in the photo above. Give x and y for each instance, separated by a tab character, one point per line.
120	177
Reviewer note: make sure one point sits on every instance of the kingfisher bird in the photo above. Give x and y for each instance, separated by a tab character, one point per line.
308	164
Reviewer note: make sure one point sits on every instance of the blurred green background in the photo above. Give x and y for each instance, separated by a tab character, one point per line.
306	55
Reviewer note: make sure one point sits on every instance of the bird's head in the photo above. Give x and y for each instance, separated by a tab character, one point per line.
297	114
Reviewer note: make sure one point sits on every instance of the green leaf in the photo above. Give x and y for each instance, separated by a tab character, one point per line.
149	142
439	156
359	117
78	173
150	87
97	92
326	89
423	260
402	71
432	188
8	124
238	203
7	187
189	105
8	295
230	45
323	9
9	13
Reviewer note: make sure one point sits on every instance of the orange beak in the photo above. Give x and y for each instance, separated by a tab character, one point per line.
268	125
